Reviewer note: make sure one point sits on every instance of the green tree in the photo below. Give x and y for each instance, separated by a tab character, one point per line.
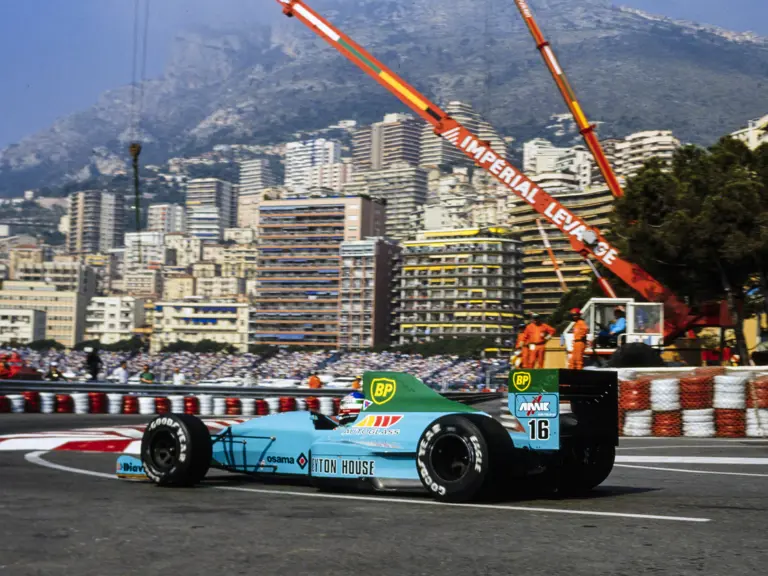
700	228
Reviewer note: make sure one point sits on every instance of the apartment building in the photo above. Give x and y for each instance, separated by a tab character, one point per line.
144	283
21	326
219	287
240	261
64	309
95	222
396	139
178	287
63	275
166	218
296	296
256	175
638	148
27	254
211	207
145	251
194	320
111	319
185	249
364	295
245	235
300	157
459	283
331	176
436	151
403	187
248	204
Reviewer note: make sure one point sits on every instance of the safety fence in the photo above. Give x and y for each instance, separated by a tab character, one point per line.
700	403
105	398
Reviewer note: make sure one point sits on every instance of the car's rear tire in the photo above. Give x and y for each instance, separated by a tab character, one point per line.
585	466
453	459
176	450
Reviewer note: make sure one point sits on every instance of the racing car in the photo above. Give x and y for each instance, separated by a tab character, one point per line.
558	428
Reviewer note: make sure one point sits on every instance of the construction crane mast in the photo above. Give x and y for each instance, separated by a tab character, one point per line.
586	129
583	238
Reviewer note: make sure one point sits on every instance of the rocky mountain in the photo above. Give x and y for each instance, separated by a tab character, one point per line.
631	70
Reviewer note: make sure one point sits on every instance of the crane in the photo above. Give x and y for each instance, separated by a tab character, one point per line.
584	239
586	129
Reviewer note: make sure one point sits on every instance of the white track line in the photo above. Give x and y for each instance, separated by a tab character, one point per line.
691	471
691	460
501	507
35	458
676	446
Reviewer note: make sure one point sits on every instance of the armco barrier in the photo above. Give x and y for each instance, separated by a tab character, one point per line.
105	397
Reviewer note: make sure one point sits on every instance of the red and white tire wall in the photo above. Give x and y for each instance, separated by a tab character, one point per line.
702	403
199	404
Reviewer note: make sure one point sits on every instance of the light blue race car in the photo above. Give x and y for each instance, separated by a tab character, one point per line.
559	428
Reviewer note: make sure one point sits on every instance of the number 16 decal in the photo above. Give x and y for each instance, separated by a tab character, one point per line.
538	429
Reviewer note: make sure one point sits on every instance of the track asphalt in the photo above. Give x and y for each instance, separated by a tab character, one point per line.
711	518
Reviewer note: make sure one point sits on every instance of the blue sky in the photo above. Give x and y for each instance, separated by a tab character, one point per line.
59	55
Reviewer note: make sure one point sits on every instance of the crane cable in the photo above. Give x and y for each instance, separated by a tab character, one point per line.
137	105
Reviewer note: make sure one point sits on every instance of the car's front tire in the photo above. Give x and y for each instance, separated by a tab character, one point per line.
453	459
176	450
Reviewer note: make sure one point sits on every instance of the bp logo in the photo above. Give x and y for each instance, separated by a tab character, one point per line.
383	390
521	381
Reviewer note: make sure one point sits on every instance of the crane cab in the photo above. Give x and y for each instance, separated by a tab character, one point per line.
644	322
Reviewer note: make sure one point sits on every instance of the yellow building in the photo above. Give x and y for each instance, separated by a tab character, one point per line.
195	319
455	283
541	288
178	287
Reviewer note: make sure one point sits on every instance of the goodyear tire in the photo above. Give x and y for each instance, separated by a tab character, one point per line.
452	459
176	450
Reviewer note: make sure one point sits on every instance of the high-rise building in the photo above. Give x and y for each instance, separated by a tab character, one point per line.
331	176
459	283
185	249
394	140
95	222
297	290
256	175
403	187
436	151
364	297
639	147
557	169
301	156
211	207
166	218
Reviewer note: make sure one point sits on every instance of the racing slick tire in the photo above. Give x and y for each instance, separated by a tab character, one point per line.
176	450
585	466
453	459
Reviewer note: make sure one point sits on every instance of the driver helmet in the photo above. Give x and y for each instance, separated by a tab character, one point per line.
350	407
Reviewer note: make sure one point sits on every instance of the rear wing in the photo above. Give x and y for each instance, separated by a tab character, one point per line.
547	406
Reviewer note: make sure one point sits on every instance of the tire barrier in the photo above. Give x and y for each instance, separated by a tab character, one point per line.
706	402
203	405
31	402
97	403
47	402
64	404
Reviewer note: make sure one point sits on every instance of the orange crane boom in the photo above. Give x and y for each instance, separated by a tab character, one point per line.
583	238
586	129
548	246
